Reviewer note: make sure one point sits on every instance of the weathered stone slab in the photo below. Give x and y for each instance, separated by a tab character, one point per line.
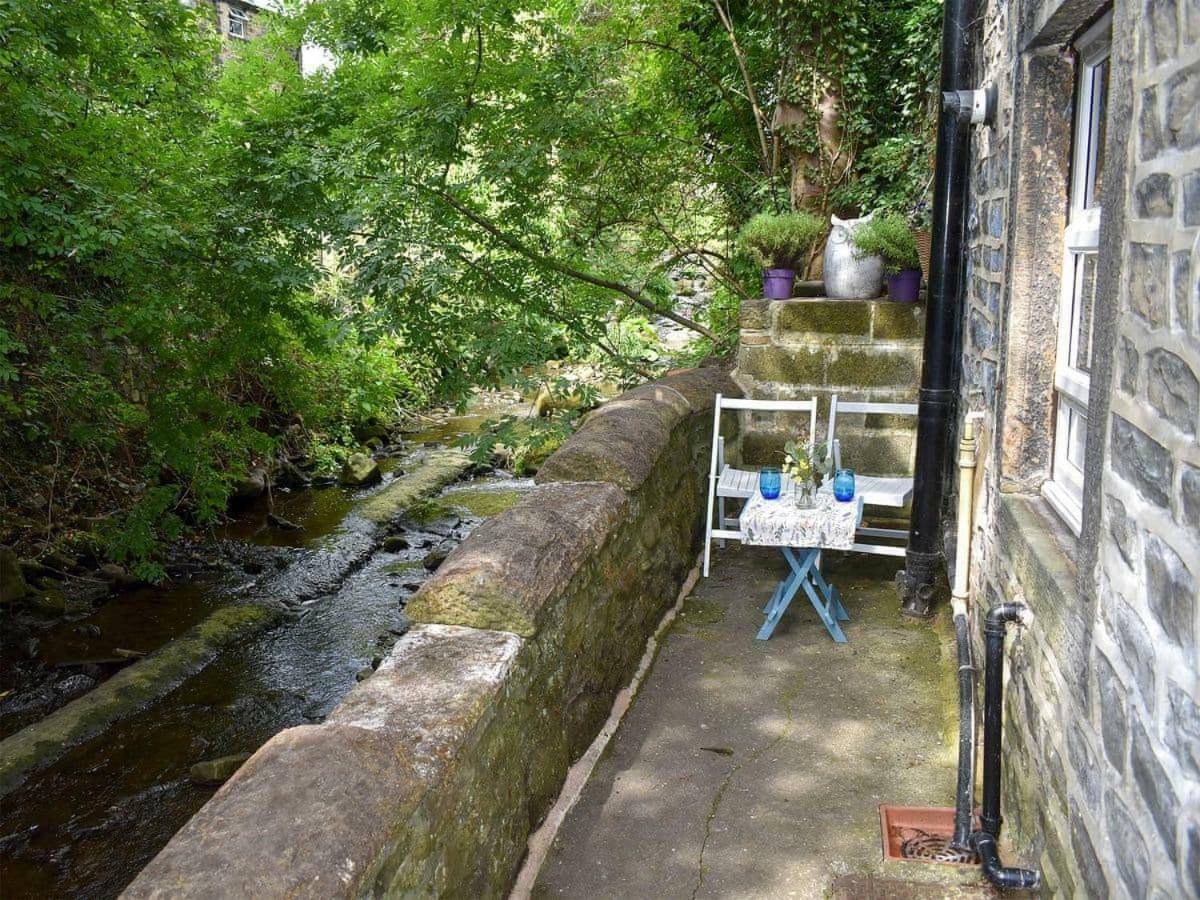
822	317
511	565
315	808
129	690
898	321
620	442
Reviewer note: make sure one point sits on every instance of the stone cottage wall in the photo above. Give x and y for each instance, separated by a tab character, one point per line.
1102	767
429	776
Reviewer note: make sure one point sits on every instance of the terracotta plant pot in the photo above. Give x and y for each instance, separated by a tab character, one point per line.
778	283
904	286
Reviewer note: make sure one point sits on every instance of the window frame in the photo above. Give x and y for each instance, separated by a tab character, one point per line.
1081	238
242	18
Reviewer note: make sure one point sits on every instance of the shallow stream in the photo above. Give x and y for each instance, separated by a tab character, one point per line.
85	825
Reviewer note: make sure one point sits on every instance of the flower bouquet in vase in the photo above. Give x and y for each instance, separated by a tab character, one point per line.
806	465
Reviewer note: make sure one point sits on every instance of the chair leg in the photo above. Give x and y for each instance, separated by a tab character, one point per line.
721	519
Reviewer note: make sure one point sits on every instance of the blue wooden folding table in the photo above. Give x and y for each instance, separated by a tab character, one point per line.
801	535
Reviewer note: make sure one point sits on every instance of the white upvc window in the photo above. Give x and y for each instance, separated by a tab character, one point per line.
1081	242
239	21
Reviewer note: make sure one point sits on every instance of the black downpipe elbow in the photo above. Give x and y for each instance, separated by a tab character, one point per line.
1004	877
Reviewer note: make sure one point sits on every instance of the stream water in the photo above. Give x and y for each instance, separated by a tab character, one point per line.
85	825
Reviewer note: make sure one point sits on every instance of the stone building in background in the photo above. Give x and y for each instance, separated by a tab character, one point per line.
237	21
1081	352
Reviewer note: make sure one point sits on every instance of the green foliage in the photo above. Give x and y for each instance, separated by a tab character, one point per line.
781	241
889	236
805	463
523	442
200	261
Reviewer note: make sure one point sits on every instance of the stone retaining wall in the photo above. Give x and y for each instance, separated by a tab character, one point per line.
857	349
428	778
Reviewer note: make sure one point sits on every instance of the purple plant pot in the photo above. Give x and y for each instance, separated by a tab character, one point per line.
778	283
905	286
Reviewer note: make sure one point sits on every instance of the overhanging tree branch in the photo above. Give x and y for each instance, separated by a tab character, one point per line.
550	263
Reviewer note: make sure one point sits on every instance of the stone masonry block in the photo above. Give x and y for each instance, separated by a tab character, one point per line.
897	321
1191	200
1181	284
1154	786
1171	593
1183	108
1142	461
1155	196
1150	125
1148	297
507	570
1182	728
1086	858
1132	860
870	367
1189	499
1172	389
1128	366
755	315
822	317
1114	712
798	365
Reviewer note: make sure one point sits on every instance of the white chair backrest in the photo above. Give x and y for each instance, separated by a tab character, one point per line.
809	406
850	407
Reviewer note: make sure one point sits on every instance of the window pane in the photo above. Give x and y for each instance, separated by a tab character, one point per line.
1099	125
1076	437
1083	306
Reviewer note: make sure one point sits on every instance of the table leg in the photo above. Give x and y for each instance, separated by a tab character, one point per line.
832	597
831	610
786	590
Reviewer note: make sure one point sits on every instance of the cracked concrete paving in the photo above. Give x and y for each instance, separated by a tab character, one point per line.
756	769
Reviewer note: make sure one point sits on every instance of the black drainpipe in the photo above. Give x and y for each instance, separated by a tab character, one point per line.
1004	878
939	374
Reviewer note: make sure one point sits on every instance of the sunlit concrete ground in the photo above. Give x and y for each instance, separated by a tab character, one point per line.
751	768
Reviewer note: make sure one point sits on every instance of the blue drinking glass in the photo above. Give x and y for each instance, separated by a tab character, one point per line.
843	485
769	482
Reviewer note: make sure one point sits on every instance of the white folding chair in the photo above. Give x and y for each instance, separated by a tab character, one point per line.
889	491
726	482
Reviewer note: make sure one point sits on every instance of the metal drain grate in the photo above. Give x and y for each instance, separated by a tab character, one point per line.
934	848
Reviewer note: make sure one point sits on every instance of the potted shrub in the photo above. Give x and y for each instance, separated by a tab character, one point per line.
781	243
888	236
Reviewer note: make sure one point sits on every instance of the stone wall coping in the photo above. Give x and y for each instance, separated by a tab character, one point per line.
306	813
509	567
620	442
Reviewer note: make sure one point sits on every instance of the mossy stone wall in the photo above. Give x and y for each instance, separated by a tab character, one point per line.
428	778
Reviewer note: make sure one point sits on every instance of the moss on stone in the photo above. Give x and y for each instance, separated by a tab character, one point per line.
127	691
434	472
837	317
874	367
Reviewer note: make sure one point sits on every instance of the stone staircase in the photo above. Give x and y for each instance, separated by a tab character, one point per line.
811	345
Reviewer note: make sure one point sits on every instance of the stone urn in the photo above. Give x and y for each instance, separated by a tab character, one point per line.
847	276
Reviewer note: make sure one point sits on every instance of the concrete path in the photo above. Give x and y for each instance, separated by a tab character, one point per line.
756	769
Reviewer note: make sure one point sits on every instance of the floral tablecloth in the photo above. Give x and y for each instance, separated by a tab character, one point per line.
829	524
